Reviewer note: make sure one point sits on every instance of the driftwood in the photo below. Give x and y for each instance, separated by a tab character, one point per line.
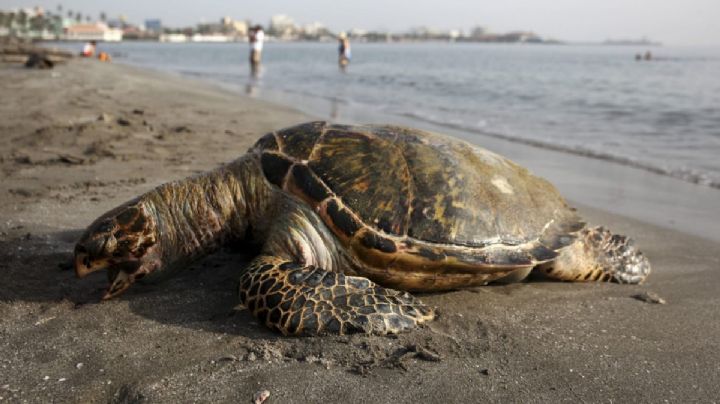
15	51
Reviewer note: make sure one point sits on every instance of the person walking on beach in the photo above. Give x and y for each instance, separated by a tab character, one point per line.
343	50
256	38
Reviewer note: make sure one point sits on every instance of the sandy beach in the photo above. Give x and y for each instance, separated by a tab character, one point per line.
79	139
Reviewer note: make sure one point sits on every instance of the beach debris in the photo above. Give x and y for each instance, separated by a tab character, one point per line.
22	51
227	358
70	159
260	396
44	320
123	122
104	117
79	365
21	192
128	393
99	149
362	369
424	353
138	111
649	297
182	129
326	363
23	159
37	60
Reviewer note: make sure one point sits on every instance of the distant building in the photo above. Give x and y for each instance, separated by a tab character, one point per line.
478	32
358	32
210	38
153	25
520	36
93	32
455	34
231	26
175	38
314	29
282	26
115	23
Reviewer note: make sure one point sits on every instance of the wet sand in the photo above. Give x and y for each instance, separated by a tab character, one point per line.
84	137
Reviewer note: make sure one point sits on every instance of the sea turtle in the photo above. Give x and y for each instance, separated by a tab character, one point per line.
350	219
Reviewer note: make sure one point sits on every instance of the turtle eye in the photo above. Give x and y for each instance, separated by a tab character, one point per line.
105	227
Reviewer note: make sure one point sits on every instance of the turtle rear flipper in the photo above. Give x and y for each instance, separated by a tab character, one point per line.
307	300
599	255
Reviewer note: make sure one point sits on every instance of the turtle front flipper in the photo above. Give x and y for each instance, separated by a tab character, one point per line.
307	300
599	255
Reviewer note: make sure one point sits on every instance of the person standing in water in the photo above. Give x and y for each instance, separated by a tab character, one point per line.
256	38
343	50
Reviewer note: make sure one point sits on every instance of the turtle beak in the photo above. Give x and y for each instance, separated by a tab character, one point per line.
83	264
119	285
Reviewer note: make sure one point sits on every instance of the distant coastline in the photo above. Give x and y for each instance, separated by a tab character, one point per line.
631	42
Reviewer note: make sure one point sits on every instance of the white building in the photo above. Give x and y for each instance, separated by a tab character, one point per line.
175	38
239	28
93	32
282	25
314	28
210	38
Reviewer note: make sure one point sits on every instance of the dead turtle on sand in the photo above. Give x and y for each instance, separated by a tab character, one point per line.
350	218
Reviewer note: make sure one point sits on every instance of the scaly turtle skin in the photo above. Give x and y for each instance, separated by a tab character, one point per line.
351	218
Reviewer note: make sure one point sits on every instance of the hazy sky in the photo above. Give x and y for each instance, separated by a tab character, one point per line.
670	21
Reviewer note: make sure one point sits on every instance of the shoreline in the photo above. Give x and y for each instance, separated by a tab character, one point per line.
84	137
585	180
319	105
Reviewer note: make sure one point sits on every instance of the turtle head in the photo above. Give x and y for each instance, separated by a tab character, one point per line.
123	241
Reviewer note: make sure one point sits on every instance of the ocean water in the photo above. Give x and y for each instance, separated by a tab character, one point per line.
662	115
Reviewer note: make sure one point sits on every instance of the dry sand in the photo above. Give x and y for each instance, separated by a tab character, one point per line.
79	139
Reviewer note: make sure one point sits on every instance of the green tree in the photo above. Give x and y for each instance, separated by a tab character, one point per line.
56	24
22	20
10	19
37	23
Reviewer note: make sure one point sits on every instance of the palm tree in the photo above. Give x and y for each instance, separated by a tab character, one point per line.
103	16
78	17
37	23
55	24
22	20
10	19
